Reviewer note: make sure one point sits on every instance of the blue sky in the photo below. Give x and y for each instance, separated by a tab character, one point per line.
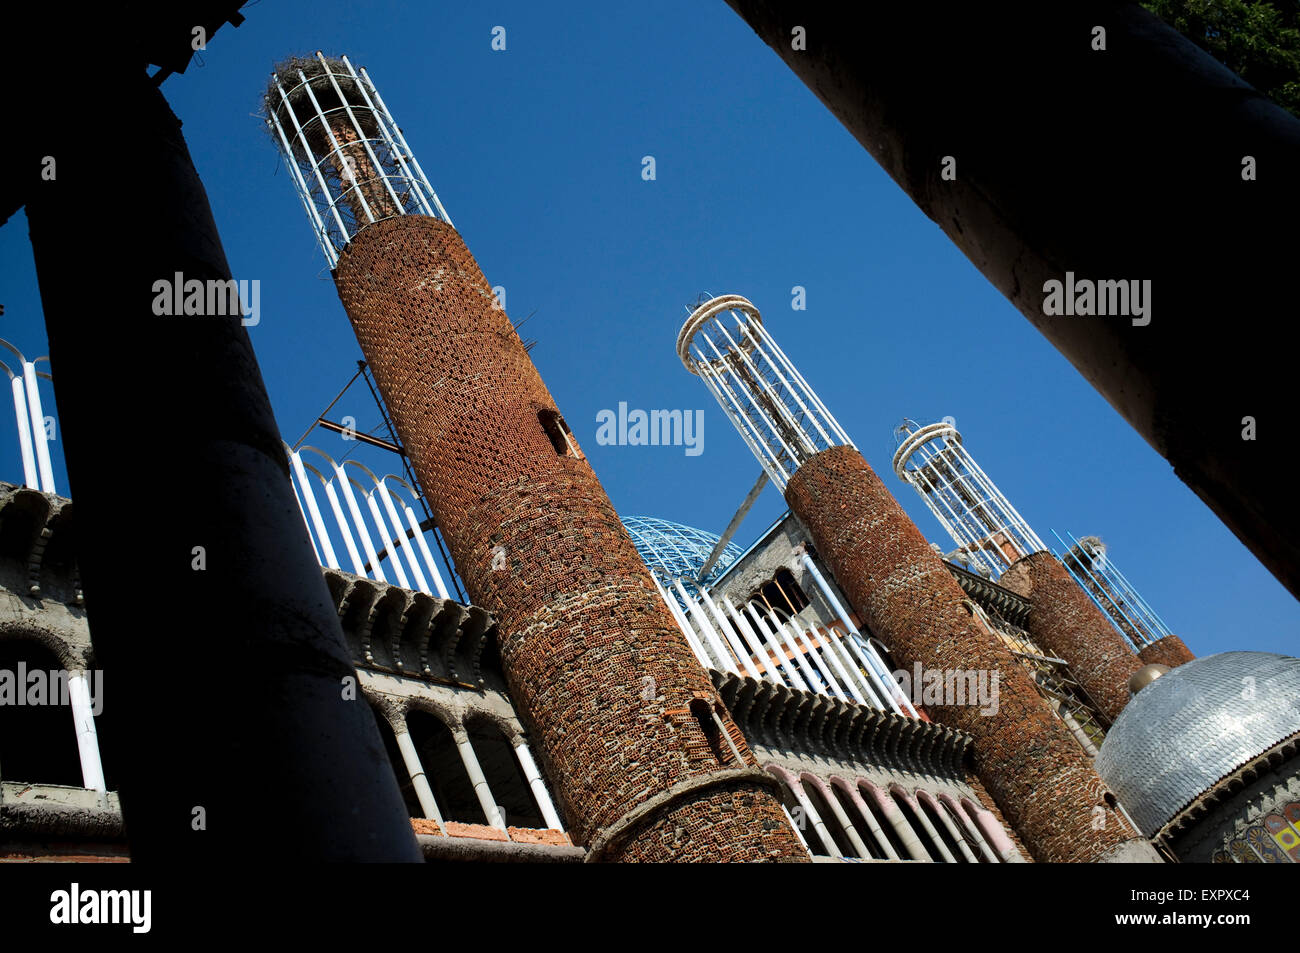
536	154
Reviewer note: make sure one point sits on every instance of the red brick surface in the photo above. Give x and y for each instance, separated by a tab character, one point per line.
1171	651
597	668
1066	623
1039	776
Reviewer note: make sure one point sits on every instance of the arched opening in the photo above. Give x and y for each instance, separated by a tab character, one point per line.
858	821
883	821
38	738
813	791
558	432
941	825
703	716
914	821
506	781
788	591
404	783
452	789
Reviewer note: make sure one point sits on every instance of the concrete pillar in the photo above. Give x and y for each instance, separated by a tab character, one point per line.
415	770
1038	775
1064	622
1119	164
194	559
83	716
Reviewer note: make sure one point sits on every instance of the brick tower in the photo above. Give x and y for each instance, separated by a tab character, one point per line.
646	761
1091	566
1063	619
1026	758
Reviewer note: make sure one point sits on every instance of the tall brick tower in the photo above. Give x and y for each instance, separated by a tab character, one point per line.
646	761
1026	758
1063	619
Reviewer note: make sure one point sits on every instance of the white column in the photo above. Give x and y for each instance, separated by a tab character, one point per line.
475	771
92	769
415	769
540	794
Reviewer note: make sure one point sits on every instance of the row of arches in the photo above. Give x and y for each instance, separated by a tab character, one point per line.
854	818
469	772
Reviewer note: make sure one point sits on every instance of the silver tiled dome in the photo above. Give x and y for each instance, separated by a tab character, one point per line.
1189	728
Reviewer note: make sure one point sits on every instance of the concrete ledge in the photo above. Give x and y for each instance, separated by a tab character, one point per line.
44	810
496	852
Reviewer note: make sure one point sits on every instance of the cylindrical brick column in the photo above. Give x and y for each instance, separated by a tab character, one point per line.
644	758
1039	776
1066	623
1171	651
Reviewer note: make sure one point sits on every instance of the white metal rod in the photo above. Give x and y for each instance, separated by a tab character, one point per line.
353	553
390	542
754	643
362	137
313	162
810	677
889	688
44	466
792	676
408	550
870	694
792	391
736	646
682	624
337	150
832	657
306	522
354	508
304	193
322	535
402	139
768	423
775	398
382	122
724	659
717	385
439	586
30	478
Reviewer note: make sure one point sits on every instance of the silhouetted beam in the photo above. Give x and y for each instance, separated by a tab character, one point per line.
1118	164
233	720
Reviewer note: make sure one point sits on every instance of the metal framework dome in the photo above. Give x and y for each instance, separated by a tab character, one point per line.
1188	729
673	551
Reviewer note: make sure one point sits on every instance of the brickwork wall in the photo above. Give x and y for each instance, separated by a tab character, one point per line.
598	671
1040	778
1171	651
1065	622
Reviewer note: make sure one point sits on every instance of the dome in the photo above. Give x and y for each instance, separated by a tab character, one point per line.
1188	729
672	550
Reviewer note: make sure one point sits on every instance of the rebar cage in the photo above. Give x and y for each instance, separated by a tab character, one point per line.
349	160
777	413
978	517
